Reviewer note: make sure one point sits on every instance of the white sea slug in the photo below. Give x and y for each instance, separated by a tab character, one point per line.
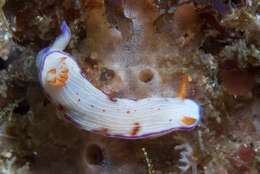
92	110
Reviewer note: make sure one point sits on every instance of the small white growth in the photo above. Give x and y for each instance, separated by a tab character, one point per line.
8	167
186	159
129	12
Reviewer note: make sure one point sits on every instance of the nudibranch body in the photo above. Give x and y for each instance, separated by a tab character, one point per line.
92	110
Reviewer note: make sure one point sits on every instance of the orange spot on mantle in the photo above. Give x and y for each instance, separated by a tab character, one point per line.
136	129
188	120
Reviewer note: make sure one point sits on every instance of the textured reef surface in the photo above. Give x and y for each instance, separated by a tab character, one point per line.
134	49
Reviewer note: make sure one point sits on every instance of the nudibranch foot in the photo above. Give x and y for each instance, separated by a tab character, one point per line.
91	109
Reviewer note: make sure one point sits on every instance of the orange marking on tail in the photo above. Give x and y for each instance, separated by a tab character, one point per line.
188	120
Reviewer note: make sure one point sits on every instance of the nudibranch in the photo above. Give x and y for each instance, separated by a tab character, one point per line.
92	110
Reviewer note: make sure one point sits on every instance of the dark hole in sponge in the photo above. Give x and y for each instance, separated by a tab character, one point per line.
22	108
94	154
146	75
107	74
2	64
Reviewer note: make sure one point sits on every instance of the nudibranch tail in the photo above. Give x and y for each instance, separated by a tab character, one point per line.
92	110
